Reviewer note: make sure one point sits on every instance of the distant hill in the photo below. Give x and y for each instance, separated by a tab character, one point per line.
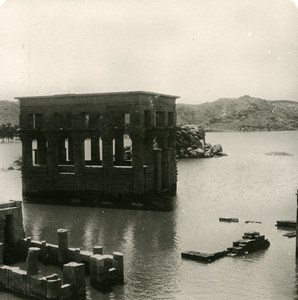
244	113
9	112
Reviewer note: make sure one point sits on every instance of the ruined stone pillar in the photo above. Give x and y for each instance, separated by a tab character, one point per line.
17	226
79	153
62	245
52	152
100	275
107	151
26	150
32	261
157	170
74	274
119	148
95	149
41	151
118	264
97	250
53	286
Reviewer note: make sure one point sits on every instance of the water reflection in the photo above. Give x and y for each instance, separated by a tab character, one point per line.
147	240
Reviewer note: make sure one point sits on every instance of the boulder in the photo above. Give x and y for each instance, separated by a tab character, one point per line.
199	151
208	146
216	148
192	153
208	154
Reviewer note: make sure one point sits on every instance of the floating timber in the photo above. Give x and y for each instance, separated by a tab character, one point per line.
256	222
290	234
286	223
203	257
229	220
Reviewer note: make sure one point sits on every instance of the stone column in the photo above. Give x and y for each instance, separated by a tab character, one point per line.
52	152
119	148
62	245
26	150
79	153
165	166
32	261
95	149
148	148
165	158
172	161
157	170
61	151
74	274
107	151
70	149
137	137
42	151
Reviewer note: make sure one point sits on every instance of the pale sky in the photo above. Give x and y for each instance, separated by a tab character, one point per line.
201	50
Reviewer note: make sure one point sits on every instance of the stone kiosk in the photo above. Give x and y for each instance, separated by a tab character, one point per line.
74	145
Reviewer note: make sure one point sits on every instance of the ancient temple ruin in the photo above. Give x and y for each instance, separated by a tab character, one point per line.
120	144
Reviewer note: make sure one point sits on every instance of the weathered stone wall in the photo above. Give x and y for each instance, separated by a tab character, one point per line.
97	265
50	120
42	287
11	228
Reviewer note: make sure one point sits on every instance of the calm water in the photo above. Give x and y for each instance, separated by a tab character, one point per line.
247	184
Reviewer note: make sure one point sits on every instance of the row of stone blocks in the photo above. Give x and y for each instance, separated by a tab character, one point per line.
32	285
104	270
250	242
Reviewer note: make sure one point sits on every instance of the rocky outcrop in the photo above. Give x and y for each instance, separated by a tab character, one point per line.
191	143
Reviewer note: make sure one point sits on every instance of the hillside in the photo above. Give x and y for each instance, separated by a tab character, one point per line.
244	113
9	112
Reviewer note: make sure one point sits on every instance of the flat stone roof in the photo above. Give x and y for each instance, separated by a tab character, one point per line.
97	94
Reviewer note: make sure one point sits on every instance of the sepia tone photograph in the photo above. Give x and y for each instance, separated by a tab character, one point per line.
148	149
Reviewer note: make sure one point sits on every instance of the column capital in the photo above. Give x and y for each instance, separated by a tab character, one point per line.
136	132
107	132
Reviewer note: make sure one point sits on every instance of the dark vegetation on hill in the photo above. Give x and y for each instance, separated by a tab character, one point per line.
9	112
241	114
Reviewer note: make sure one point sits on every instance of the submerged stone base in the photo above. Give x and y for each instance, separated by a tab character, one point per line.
147	201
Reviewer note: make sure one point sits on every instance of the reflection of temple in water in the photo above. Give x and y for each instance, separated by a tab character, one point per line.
146	239
74	145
